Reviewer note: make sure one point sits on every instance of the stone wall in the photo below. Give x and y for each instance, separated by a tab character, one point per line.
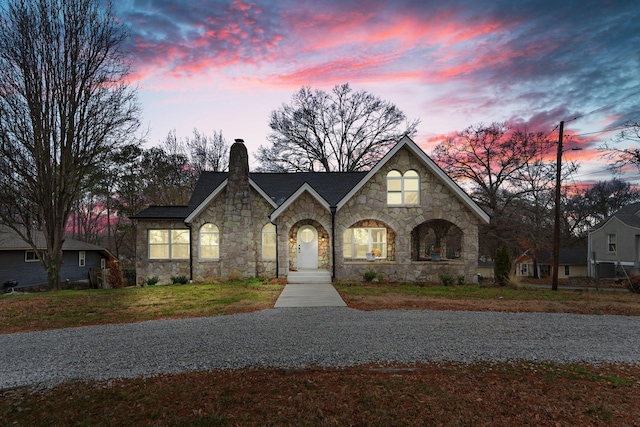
436	202
163	269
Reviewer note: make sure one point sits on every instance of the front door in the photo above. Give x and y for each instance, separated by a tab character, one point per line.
307	247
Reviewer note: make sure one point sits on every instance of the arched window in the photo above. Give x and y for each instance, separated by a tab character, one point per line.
209	241
269	242
403	190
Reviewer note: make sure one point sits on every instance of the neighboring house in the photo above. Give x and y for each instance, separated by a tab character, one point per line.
486	268
401	215
572	263
615	242
18	260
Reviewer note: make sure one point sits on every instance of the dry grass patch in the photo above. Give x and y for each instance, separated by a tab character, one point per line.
523	394
478	298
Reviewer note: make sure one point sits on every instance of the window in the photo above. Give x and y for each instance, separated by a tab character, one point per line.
103	263
209	241
611	243
403	190
566	270
269	242
81	258
359	241
30	256
169	244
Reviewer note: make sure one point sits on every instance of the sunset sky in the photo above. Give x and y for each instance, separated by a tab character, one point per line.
225	65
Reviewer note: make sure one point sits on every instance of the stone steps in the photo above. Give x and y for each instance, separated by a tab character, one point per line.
309	276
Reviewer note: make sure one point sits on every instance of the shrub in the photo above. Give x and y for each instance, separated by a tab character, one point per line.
114	279
129	275
370	275
502	266
447	279
461	279
152	280
634	284
179	280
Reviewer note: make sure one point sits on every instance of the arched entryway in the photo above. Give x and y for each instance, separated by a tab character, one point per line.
436	239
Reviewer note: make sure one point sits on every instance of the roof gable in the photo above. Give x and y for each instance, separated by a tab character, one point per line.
303	188
628	215
431	166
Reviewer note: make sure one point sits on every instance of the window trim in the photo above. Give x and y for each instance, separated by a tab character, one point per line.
370	242
169	243
271	232
612	240
200	233
413	176
28	259
82	258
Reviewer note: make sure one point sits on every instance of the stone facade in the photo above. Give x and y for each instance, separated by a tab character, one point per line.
240	212
436	202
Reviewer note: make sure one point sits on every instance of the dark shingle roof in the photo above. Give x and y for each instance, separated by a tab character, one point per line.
332	186
627	214
163	212
10	240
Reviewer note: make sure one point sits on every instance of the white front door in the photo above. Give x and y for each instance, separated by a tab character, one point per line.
307	247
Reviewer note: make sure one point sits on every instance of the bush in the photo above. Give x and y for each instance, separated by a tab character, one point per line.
182	280
152	280
461	279
634	284
502	266
370	275
447	279
114	279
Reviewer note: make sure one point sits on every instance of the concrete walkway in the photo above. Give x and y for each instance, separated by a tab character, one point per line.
309	295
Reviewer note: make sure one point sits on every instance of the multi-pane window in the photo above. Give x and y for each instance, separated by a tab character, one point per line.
404	189
360	241
269	242
566	270
30	256
81	258
611	243
209	241
169	244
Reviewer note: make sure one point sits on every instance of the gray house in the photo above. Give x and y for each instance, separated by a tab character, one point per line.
19	262
615	243
405	218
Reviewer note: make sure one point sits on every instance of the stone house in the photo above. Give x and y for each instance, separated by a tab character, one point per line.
405	219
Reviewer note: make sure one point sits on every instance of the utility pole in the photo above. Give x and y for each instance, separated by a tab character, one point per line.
556	228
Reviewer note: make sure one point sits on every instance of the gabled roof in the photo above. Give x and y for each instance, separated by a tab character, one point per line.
433	168
11	241
331	189
628	215
568	256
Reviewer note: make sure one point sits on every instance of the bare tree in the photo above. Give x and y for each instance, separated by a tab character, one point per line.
64	107
626	156
339	131
208	153
505	169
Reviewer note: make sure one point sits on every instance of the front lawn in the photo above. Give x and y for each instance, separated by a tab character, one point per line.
69	308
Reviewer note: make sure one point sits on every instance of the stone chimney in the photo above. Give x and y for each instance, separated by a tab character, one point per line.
239	253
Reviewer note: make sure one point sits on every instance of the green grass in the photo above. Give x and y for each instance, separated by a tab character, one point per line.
69	308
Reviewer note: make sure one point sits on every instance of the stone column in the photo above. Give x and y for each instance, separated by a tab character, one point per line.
238	240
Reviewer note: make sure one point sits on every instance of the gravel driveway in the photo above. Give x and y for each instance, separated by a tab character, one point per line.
297	337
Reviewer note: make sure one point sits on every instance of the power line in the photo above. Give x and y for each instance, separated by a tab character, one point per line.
603	107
